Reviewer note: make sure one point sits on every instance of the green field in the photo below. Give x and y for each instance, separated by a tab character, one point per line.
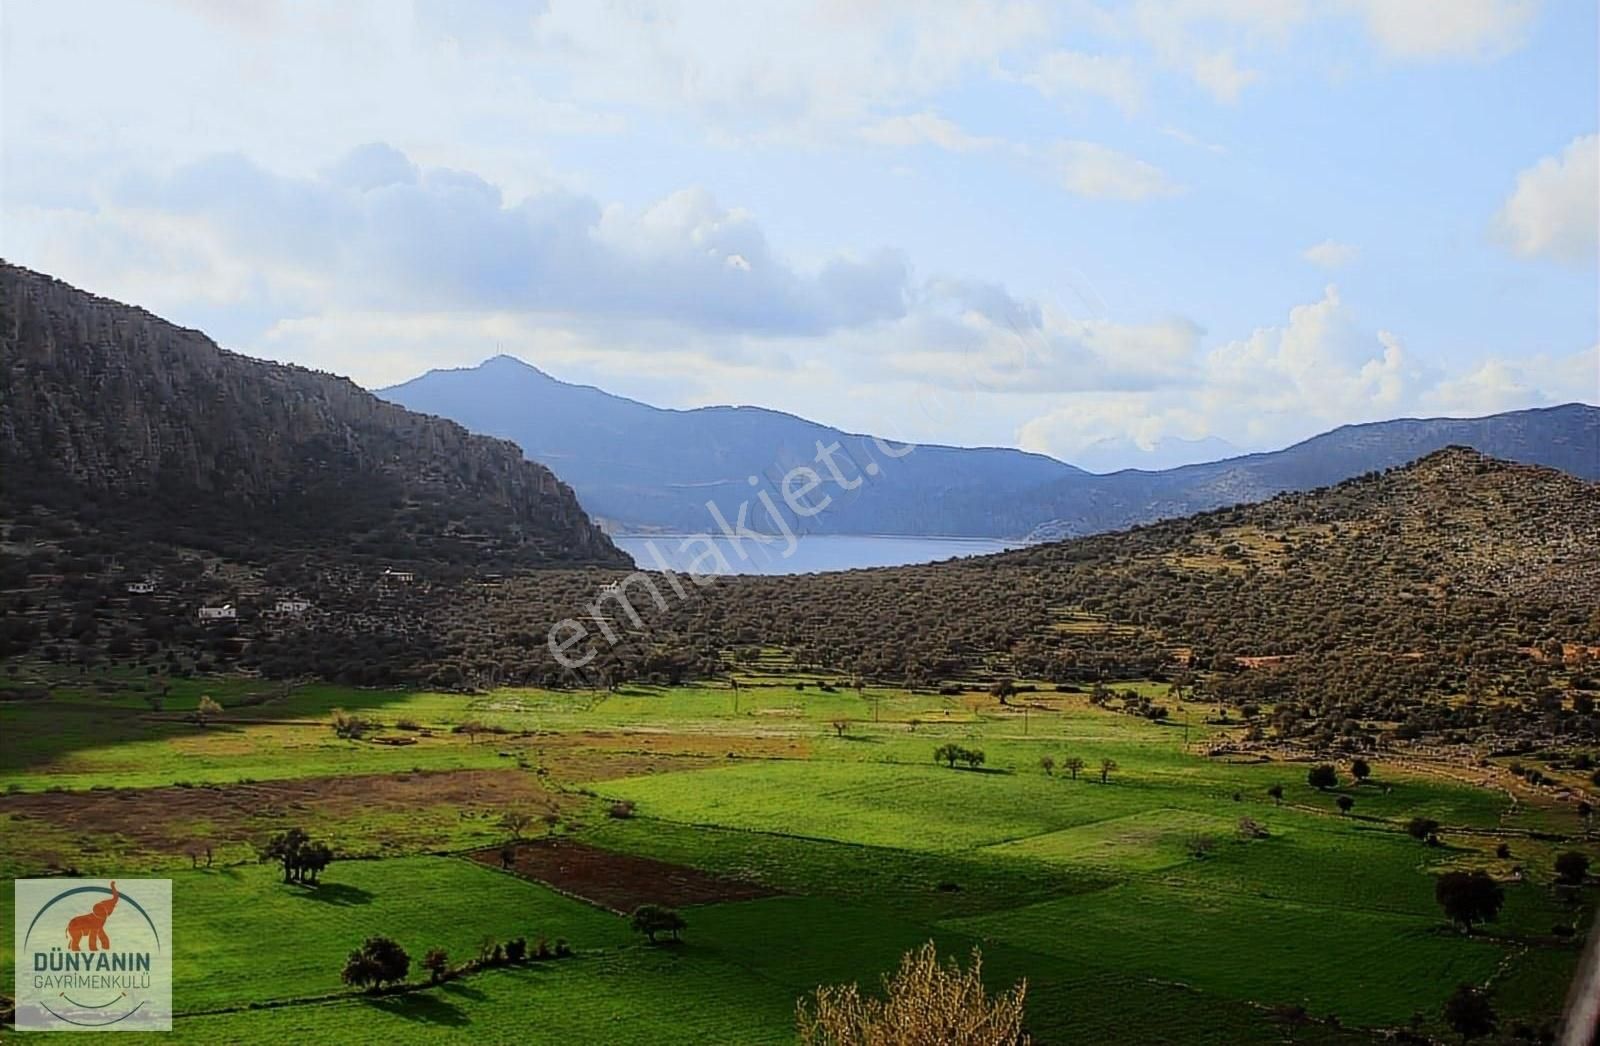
1133	908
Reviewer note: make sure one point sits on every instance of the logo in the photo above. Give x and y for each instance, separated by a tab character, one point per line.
94	955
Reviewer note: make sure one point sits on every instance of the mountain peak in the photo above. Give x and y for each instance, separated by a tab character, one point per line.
504	362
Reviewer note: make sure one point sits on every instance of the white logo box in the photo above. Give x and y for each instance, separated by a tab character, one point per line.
94	954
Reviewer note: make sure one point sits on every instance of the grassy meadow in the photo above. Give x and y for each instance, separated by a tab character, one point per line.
1134	907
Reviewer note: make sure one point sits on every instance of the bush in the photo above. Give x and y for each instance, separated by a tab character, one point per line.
352	727
621	810
377	962
1422	828
651	919
925	1002
1572	868
437	963
1322	776
1469	897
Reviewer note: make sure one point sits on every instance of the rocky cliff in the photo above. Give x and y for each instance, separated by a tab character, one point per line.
129	425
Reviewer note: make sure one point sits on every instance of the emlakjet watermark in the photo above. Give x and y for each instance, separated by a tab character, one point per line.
799	489
94	954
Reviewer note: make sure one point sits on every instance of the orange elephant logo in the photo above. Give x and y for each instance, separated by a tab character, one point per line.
92	924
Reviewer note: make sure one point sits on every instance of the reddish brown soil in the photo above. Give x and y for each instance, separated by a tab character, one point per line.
163	820
620	882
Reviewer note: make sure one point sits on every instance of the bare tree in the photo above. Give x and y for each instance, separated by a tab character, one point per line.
925	1002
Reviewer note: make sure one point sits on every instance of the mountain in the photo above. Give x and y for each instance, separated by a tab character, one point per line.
1112	453
645	468
1565	437
118	423
649	468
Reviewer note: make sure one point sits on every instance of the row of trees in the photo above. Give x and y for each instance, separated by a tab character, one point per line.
1074	765
382	962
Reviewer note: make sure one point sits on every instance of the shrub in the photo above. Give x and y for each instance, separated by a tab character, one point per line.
1572	868
1422	828
1469	1013
377	962
1322	776
651	919
352	727
924	1002
621	810
1469	897
437	963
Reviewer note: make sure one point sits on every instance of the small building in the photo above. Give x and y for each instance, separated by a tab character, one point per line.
294	605
404	577
610	588
226	612
141	588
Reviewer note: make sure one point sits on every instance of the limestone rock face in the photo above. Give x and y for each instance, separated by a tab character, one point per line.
148	429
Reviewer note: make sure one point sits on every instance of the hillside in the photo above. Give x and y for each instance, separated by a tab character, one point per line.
1565	437
120	425
647	468
1456	576
643	468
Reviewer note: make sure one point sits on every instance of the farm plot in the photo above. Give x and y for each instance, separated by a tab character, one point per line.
1368	968
619	882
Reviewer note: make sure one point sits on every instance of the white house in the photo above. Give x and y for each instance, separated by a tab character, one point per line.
142	588
402	576
295	605
225	612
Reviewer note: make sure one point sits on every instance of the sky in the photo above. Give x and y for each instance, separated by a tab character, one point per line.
1124	234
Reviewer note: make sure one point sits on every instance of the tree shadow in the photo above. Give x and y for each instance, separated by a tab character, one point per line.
421	1007
342	895
466	991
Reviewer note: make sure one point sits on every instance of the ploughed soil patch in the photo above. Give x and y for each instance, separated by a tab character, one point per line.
619	882
164	820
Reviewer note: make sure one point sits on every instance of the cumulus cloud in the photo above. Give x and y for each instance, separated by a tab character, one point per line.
1499	384
1554	210
1331	254
375	230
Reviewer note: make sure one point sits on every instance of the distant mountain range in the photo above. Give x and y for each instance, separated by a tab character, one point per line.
643	468
124	429
647	468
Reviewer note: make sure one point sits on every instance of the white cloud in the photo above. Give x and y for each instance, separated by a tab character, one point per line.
1431	29
1070	75
377	231
1331	254
1554	211
1101	172
925	129
1219	74
1178	134
1497	385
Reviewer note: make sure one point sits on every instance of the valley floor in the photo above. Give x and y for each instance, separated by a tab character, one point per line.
808	837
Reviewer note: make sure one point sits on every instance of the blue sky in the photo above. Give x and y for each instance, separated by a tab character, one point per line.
1123	234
